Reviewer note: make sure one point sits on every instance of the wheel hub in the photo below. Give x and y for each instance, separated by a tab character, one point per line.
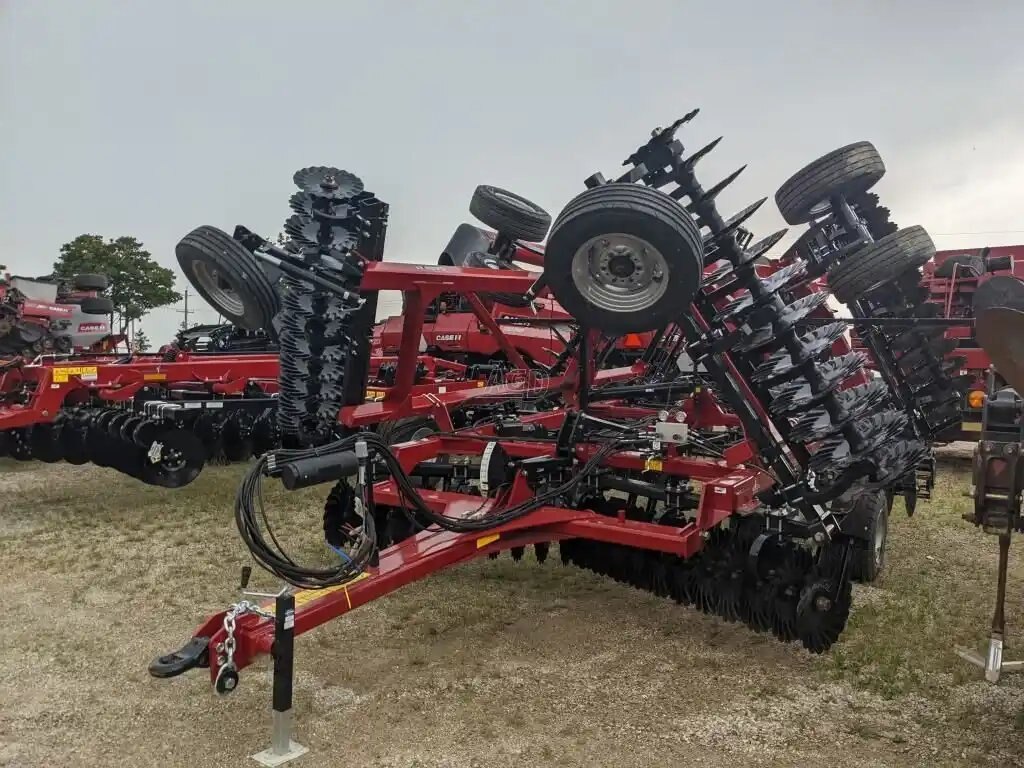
620	272
221	292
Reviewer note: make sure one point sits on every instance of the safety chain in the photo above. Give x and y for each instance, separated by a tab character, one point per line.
227	676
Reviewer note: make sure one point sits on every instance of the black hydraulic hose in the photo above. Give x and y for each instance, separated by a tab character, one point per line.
251	518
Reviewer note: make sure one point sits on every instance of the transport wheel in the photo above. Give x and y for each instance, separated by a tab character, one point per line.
848	171
510	214
229	277
880	262
393	525
97	305
868	557
624	258
405	430
90	282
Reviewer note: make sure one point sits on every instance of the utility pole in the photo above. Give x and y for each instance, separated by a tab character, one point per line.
185	311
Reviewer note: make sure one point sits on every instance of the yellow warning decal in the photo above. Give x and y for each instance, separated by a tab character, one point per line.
480	383
64	374
653	464
970	426
304	596
374	394
154	377
483	541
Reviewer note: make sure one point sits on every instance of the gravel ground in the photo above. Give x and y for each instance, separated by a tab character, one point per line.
492	664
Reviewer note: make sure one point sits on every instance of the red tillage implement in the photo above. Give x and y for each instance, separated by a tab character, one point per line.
754	486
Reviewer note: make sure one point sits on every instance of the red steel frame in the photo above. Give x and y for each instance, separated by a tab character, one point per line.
729	486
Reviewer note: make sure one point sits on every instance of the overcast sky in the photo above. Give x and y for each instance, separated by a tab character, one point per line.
148	118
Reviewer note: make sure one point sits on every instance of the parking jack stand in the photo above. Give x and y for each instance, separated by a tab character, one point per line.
993	663
282	748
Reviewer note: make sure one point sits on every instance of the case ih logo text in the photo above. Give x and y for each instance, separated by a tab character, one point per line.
91	327
448	337
45	308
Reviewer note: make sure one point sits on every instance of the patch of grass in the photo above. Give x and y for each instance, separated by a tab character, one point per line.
937	592
562	659
11	465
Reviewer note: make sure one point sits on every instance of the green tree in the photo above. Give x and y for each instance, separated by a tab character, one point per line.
140	342
137	282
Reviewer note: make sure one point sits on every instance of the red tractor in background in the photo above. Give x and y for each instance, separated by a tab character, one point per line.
52	316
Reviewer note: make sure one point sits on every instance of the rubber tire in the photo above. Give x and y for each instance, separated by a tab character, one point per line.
238	267
865	566
90	282
97	305
402	430
880	262
630	209
849	171
510	214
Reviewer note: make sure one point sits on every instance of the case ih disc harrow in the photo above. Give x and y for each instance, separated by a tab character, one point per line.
767	527
155	420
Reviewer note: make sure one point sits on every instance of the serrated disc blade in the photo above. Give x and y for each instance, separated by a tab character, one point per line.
832	456
780	365
780	278
798	395
816	424
915	337
757	339
802	307
309	232
736	308
936	349
880	428
324	181
896	459
720	272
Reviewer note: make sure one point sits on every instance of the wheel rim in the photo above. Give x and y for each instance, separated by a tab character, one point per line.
620	273
220	291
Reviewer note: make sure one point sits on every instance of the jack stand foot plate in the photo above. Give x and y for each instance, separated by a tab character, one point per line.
282	748
993	663
270	757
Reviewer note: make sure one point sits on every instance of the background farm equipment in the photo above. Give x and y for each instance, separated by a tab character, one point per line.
759	496
45	316
155	420
216	339
952	279
935	355
998	473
